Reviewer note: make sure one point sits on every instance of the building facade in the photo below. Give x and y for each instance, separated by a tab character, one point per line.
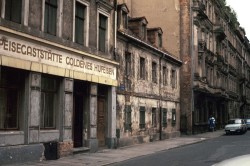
215	54
148	107
58	78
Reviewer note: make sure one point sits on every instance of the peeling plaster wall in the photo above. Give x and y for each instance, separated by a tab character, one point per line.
145	93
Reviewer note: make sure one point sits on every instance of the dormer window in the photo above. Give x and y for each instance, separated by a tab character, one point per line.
122	11
155	36
143	31
124	20
159	40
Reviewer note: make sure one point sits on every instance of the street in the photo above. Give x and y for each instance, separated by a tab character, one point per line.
203	153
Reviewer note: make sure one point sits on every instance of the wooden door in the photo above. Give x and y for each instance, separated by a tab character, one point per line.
101	121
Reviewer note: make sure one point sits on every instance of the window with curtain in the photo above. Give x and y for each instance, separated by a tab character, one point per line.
48	101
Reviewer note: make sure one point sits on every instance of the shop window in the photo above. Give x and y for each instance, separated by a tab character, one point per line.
142	68
154	123
164	117
50	16
128	121
79	22
165	74
48	102
173	116
102	32
154	72
11	81
142	117
13	10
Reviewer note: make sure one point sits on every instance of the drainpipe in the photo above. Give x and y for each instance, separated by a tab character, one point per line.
192	61
115	28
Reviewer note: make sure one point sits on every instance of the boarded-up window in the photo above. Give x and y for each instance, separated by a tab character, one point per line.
13	10
50	16
142	117
79	22
102	32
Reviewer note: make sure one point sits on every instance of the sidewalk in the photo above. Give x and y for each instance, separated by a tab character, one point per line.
108	156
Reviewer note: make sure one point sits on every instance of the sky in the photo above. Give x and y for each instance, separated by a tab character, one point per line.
242	10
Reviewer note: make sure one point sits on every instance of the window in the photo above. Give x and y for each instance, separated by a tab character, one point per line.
127	63
154	123
164	117
50	16
128	121
143	31
102	32
125	20
11	81
160	39
154	72
13	10
142	117
173	78
173	116
142	68
79	22
165	74
48	100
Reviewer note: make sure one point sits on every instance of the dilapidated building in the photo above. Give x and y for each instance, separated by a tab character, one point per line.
148	89
57	78
206	36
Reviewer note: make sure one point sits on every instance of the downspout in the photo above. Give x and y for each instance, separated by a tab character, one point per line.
192	63
115	28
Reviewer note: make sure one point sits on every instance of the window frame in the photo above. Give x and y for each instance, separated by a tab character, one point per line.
154	117
107	32
86	22
12	8
165	75
48	92
142	63
164	117
142	116
12	80
173	78
47	19
154	72
127	118
173	117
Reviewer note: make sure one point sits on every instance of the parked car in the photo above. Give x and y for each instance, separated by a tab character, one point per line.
236	126
248	123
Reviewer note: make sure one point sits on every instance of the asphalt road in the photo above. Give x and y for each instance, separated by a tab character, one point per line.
204	153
